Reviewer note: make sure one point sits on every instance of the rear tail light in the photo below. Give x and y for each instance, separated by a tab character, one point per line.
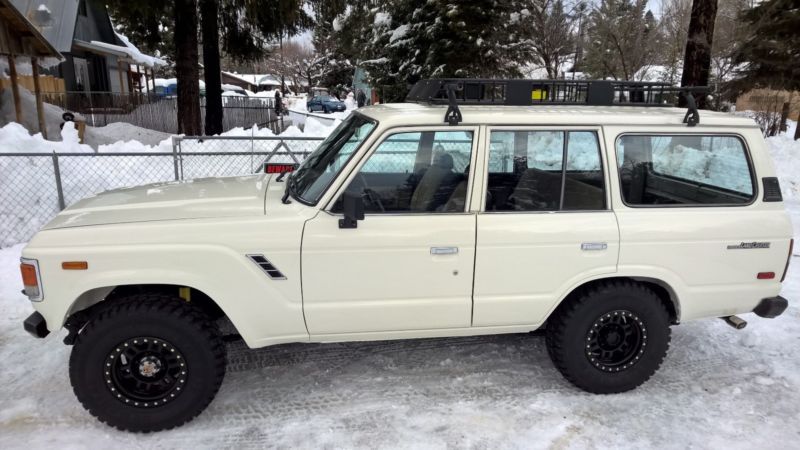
30	279
788	259
766	275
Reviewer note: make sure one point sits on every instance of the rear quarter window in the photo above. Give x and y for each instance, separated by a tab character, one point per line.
684	170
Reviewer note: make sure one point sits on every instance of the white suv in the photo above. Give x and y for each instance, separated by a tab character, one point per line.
584	208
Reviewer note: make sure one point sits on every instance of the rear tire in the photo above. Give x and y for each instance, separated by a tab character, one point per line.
148	362
609	339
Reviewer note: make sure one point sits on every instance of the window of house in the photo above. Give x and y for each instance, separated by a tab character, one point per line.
545	171
416	172
684	170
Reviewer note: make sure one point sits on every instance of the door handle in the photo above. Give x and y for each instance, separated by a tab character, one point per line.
594	246
444	250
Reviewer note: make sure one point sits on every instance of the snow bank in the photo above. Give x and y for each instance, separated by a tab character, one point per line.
785	153
52	113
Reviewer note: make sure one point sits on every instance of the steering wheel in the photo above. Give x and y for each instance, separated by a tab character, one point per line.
371	194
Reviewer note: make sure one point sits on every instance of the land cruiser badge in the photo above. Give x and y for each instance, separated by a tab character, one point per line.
749	246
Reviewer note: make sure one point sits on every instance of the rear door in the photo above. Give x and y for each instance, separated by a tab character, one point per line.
544	225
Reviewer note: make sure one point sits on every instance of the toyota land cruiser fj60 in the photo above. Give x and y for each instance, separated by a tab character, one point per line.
590	209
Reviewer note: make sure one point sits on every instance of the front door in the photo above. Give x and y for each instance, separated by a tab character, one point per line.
545	225
408	266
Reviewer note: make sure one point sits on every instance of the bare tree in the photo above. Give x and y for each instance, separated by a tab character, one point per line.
296	62
623	38
545	28
674	24
730	34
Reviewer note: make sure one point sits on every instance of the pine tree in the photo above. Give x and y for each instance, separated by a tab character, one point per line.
409	41
771	53
697	59
209	13
186	67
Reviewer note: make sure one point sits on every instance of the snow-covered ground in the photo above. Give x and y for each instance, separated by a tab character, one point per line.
718	388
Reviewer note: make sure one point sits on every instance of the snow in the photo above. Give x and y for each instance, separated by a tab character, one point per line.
399	32
132	51
717	388
382	18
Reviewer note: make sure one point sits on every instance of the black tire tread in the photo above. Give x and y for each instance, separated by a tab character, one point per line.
567	311
165	305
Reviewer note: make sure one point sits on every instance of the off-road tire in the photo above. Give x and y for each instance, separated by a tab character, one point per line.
155	316
571	325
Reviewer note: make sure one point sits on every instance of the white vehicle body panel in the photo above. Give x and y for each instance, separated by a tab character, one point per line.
380	280
207	254
687	247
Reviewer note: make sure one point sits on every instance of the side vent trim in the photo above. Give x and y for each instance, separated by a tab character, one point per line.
267	267
772	189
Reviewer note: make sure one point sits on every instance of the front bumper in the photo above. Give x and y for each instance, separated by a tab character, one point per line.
36	325
771	307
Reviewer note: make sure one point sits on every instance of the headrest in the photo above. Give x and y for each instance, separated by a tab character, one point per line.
443	160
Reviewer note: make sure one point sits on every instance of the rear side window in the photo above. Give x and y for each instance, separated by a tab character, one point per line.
684	170
544	171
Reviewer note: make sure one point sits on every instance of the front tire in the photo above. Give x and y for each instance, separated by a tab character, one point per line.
147	363
609	339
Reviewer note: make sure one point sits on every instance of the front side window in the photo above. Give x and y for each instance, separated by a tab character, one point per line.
684	170
417	172
315	174
544	171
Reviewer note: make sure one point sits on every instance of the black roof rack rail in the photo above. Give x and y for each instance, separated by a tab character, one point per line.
474	91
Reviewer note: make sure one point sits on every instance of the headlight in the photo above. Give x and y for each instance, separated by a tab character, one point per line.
31	279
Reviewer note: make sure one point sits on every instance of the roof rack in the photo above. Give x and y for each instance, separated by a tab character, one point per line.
473	91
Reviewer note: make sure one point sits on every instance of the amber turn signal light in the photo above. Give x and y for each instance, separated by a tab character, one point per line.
74	265
28	275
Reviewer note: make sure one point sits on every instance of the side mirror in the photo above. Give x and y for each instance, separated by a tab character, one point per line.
353	209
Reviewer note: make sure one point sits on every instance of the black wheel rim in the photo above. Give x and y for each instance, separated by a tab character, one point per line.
616	341
145	372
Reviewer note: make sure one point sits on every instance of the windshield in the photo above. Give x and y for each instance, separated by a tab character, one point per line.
310	180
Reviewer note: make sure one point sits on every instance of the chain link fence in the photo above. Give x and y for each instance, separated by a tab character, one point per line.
34	187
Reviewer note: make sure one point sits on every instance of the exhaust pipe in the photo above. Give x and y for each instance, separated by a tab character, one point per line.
735	322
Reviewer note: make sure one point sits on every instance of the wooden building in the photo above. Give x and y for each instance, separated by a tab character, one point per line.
19	38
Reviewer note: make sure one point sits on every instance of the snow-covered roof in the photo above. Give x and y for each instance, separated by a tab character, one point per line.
256	79
54	19
231	87
23	29
128	51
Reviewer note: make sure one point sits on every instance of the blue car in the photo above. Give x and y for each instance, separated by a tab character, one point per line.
325	103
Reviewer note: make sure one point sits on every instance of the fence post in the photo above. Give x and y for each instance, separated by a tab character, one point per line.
175	143
59	188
